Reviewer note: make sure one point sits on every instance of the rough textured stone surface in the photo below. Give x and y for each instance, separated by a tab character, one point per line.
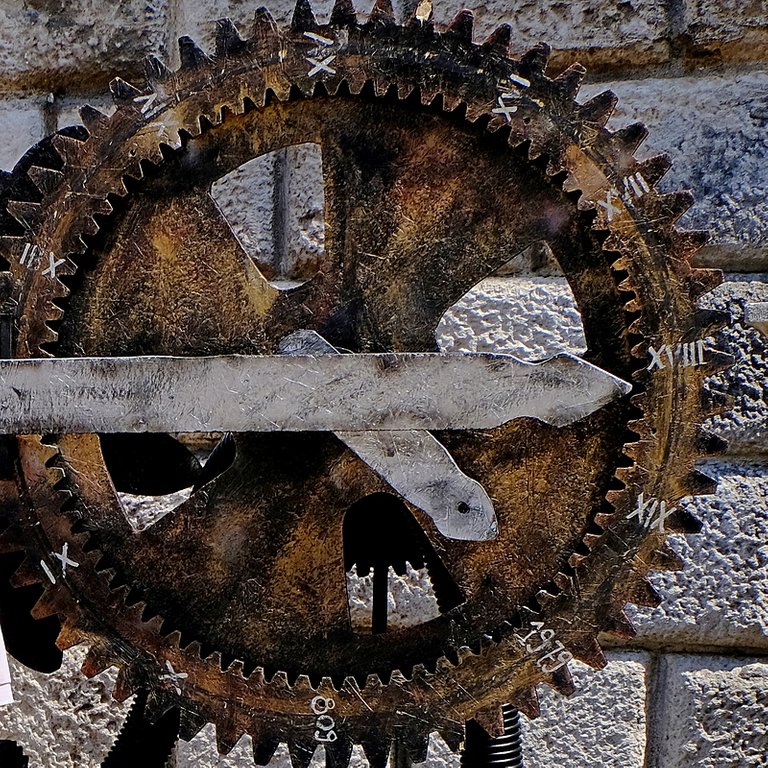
602	724
63	720
731	24
47	44
720	598
304	235
21	125
712	713
410	598
745	423
716	130
245	197
531	318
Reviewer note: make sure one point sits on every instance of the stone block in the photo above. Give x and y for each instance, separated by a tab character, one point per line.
720	598
304	231
711	712
730	29
63	720
745	423
246	198
716	130
21	125
602	724
52	44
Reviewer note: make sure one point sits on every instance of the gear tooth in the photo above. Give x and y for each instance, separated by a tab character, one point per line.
453	738
631	137
599	109
228	39
280	681
591	539
264	26
563	582
191	54
93	119
153	625
590	652
237	669
155	70
569	81
301	752
29	215
227	735
499	40
47	604
462	26
122	92
303	17
190	724
27	574
69	149
382	13
377	748
699	484
125	685
707	322
98	659
173	638
701	281
70	636
562	681
157	705
416	745
668	207
534	62
688	242
664	559
339	752
46	180
526	700
343	14
654	168
619	625
265	745
710	444
491	720
642	593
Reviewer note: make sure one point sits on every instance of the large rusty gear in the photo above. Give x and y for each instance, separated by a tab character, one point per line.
442	159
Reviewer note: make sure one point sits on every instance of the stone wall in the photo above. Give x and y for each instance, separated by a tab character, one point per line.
692	688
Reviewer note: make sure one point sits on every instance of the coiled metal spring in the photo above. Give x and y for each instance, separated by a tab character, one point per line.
507	750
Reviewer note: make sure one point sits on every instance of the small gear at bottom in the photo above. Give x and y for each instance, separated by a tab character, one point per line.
442	160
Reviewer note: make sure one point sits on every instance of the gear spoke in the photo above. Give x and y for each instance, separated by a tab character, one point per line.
174	265
404	203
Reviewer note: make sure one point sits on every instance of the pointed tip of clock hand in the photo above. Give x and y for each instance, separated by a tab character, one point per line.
577	389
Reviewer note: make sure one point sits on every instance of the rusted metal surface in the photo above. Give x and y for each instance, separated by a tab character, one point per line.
442	159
